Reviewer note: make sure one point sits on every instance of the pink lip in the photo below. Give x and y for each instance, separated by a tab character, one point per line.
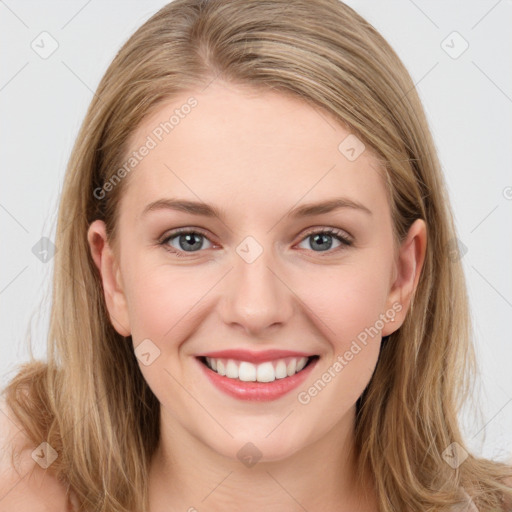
257	391
254	357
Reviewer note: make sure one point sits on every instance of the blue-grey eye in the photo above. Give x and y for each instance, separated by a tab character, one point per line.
188	241
322	241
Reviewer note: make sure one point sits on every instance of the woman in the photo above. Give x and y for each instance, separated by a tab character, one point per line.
204	353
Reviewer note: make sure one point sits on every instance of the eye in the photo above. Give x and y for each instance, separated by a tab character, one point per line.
184	240
322	239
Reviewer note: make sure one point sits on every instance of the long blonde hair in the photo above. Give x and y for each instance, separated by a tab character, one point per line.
90	402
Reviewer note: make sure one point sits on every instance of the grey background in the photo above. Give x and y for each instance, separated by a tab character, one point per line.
468	101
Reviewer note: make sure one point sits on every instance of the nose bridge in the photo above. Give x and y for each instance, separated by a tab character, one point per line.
256	298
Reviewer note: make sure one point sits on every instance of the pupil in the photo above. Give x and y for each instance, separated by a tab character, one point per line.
325	240
190	241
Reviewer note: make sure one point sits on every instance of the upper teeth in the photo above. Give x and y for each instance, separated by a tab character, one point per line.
263	372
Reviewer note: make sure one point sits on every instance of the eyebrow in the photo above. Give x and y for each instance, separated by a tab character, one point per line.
206	210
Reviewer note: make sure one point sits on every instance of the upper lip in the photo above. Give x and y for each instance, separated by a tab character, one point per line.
254	357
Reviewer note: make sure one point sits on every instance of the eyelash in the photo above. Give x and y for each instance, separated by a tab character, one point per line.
335	233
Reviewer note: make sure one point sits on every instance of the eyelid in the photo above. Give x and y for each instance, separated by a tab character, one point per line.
178	231
330	230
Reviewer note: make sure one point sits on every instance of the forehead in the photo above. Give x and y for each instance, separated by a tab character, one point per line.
240	146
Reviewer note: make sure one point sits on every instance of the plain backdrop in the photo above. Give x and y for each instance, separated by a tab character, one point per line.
458	53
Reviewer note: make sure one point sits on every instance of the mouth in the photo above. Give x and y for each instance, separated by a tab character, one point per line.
266	372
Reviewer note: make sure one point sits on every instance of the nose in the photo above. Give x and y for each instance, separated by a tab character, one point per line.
256	297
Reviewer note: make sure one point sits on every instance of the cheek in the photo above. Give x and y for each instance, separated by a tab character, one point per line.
156	303
348	305
162	303
165	299
347	299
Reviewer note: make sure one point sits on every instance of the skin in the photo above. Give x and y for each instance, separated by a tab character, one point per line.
256	155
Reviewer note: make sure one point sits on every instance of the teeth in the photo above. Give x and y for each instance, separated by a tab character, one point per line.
292	366
221	370
281	370
246	371
263	372
232	370
300	365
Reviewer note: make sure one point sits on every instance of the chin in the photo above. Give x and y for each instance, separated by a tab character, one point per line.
251	446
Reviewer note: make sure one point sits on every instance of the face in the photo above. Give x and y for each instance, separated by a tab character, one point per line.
263	272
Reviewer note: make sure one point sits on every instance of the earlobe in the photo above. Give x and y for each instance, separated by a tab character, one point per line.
105	261
411	257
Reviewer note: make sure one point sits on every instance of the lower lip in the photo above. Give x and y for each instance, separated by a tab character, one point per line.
257	391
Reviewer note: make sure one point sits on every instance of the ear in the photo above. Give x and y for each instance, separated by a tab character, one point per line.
411	256
105	260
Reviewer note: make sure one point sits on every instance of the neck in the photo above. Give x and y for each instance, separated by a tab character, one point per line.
187	475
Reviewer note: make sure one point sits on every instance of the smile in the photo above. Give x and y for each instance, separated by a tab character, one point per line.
264	381
263	372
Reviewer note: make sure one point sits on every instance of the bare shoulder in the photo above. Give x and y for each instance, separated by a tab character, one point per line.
24	485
